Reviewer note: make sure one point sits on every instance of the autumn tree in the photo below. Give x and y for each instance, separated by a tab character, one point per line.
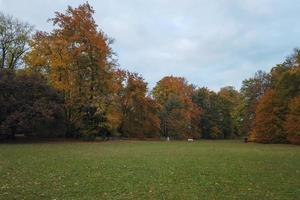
267	126
179	115
292	123
252	90
273	110
77	59
139	112
14	36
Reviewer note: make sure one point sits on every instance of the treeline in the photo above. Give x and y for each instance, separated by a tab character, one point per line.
67	83
272	103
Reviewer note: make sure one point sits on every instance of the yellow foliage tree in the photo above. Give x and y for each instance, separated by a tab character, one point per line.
77	59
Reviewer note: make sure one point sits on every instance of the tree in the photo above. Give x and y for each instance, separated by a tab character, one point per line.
139	112
29	106
292	123
272	116
268	126
178	114
232	105
14	36
290	63
251	91
215	121
78	60
201	97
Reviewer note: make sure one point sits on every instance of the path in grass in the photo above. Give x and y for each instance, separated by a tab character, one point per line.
149	170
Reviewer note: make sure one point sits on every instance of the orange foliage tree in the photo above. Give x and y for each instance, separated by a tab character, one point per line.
179	115
292	124
268	126
139	112
77	59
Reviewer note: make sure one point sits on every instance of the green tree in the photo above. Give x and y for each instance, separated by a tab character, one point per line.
14	36
232	104
215	121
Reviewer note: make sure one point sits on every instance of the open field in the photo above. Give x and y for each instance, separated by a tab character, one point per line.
149	170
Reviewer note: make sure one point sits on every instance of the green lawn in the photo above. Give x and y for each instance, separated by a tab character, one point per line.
149	170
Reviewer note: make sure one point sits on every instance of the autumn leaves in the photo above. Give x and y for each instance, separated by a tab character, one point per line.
76	62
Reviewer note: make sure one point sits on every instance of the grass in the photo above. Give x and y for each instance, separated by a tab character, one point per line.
149	170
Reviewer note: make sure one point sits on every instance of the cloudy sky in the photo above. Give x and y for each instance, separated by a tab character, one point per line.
212	43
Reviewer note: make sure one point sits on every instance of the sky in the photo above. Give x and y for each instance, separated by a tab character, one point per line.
212	43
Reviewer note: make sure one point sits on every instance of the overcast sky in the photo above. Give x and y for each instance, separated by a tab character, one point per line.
212	43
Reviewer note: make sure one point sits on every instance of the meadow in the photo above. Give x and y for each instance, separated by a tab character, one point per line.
149	170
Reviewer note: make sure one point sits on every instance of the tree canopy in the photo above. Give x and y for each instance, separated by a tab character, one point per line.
67	83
